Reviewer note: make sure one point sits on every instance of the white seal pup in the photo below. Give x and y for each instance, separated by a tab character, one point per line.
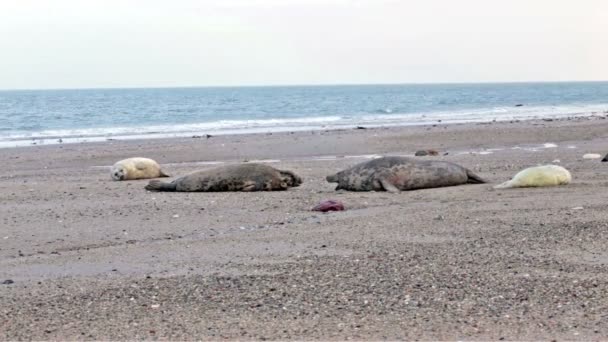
395	174
592	156
136	168
240	177
546	175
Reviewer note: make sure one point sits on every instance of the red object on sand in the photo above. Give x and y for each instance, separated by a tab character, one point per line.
329	205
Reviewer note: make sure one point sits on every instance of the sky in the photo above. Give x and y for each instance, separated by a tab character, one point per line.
159	43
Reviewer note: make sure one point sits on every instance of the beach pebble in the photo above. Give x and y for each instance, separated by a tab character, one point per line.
592	156
329	205
426	153
7	282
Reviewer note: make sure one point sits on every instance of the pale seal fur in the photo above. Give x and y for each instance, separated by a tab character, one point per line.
395	174
136	168
546	175
241	177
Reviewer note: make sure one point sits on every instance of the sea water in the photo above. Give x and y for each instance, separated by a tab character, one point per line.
50	116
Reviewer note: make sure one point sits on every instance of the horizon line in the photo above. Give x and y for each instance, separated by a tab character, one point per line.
298	85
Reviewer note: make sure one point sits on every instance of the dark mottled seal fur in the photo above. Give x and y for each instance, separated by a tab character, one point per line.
400	173
243	177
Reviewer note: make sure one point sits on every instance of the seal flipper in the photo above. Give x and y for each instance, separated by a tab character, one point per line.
155	185
473	178
163	174
333	178
249	186
388	186
505	185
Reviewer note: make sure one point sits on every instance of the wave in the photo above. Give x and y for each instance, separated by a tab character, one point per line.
173	128
22	138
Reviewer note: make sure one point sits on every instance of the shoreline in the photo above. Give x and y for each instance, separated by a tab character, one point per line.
329	142
94	259
366	122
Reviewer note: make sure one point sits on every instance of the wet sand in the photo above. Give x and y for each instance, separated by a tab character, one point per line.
90	258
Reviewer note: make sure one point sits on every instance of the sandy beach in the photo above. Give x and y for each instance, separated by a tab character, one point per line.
85	258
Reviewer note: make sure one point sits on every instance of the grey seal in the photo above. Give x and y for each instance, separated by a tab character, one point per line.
395	174
241	177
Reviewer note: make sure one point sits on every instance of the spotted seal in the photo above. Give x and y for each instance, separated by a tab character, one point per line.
546	175
241	177
394	174
136	168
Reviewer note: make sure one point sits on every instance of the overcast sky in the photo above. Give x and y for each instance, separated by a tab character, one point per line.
129	43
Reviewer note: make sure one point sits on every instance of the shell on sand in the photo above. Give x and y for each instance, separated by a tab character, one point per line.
136	168
546	175
395	174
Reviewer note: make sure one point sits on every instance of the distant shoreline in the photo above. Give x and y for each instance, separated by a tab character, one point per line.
72	116
424	120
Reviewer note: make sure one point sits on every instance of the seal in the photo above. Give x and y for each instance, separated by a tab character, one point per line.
136	168
240	177
546	175
592	156
395	174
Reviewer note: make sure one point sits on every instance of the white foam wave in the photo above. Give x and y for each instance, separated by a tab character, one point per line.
295	124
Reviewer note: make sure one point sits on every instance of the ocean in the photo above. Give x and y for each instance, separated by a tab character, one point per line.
36	117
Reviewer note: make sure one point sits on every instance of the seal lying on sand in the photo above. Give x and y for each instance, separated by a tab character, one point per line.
546	175
243	177
136	168
394	174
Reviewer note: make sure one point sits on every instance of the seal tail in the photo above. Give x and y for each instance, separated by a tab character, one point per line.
474	179
332	178
155	185
505	185
163	174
